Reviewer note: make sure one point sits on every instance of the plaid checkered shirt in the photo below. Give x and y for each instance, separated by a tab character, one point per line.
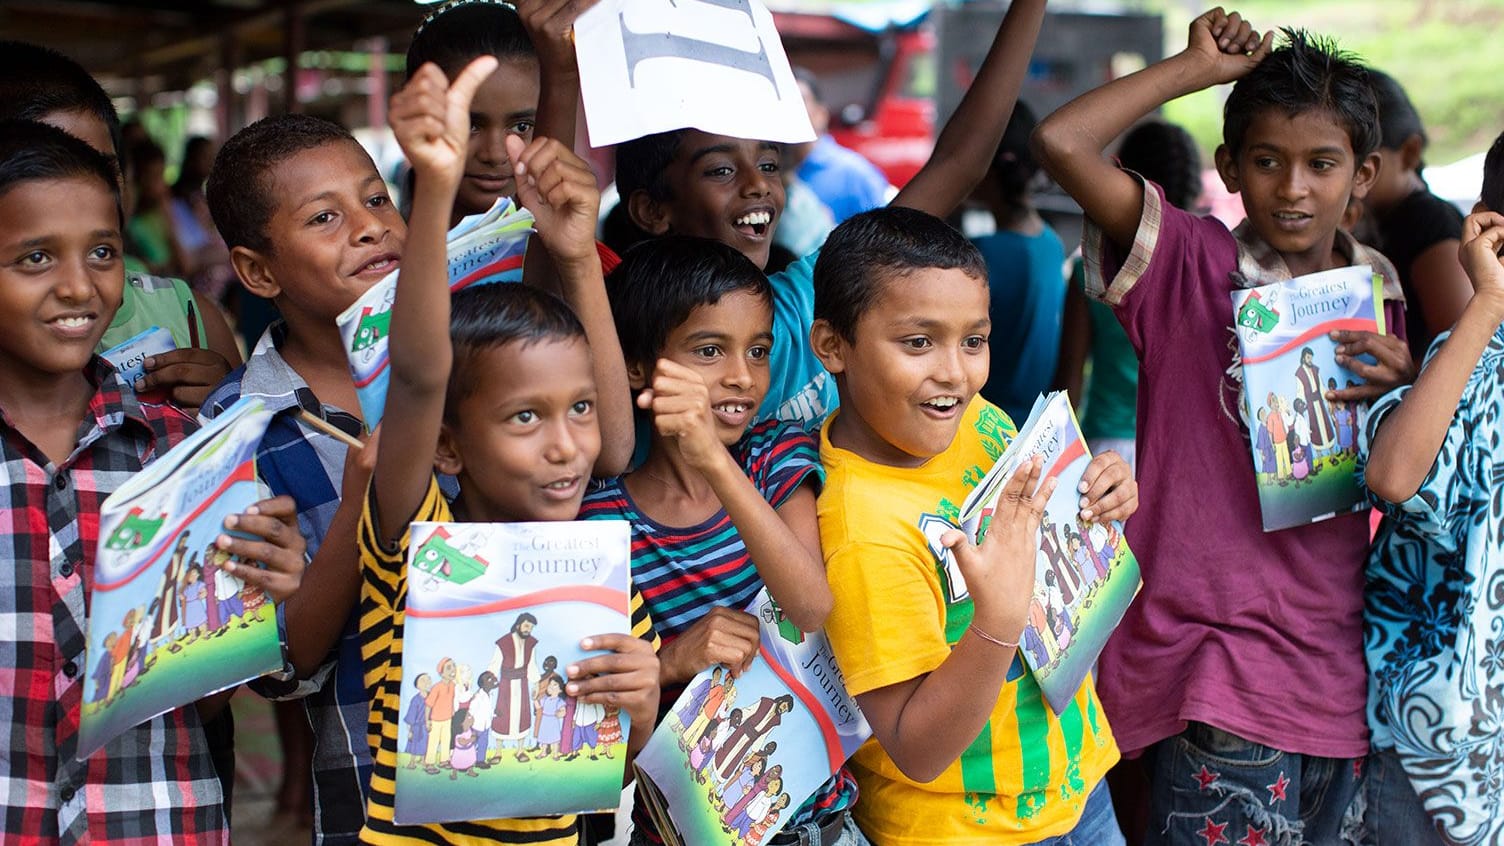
153	784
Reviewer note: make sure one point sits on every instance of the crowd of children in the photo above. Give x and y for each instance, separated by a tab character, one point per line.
794	432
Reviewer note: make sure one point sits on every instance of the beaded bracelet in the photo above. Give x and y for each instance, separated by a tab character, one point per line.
990	639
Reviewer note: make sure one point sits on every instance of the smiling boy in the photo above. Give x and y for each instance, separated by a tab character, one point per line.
1252	642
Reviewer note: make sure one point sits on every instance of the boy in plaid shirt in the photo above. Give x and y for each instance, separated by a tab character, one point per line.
70	434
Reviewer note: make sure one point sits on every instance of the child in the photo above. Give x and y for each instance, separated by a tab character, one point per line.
926	628
37	83
760	828
721	506
72	434
440	706
587	716
1432	617
103	667
483	705
1224	632
464	756
689	182
417	721
506	398
696	700
550	717
195	604
610	730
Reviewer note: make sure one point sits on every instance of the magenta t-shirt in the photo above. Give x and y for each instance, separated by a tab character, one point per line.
1259	634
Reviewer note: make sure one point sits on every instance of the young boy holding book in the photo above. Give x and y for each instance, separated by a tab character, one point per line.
689	182
1251	641
1429	464
504	398
71	434
721	506
925	626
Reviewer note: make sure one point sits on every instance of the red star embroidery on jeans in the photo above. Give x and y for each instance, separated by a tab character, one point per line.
1255	837
1205	778
1213	832
1277	789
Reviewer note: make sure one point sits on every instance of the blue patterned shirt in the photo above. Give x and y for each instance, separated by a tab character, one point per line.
1434	614
308	465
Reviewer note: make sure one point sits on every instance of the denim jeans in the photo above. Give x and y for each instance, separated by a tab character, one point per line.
1395	816
1209	787
1098	825
809	834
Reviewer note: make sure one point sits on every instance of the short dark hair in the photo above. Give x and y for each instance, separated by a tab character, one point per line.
870	248
662	280
1166	155
1305	73
640	164
458	33
1398	118
1493	177
237	189
1013	167
36	81
32	151
485	317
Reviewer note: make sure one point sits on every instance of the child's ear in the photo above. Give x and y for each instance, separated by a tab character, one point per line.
1227	168
637	376
650	215
828	345
1366	175
446	456
254	272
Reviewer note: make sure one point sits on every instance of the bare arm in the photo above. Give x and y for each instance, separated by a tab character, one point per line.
550	26
1070	143
1075	347
969	140
217	334
925	723
559	189
431	119
1406	445
1441	285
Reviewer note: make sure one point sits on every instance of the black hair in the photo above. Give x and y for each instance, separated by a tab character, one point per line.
1398	119
810	81
239	196
1166	155
640	164
486	681
1013	166
1493	177
870	248
31	151
1305	73
37	81
662	280
485	317
457	33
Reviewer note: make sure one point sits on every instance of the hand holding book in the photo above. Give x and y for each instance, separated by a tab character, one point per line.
999	571
724	636
280	549
1108	489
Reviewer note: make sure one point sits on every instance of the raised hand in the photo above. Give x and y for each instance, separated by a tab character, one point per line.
559	189
724	636
1482	238
1394	366
431	118
186	374
999	572
1228	46
680	403
550	26
280	550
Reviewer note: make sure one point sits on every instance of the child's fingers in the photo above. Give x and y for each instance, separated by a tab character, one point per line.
270	529
283	507
1231	31
1475	224
1116	504
1023	480
1034	510
462	90
1107	471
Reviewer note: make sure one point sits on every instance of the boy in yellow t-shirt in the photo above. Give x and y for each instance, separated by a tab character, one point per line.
965	749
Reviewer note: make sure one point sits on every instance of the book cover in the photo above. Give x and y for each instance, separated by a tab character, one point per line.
1304	446
1085	575
167	625
129	356
483	249
735	757
495	616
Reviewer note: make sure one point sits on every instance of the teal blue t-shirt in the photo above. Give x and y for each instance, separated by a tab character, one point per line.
800	390
1111	409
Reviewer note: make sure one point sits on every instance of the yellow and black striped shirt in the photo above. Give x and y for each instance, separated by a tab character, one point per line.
383	602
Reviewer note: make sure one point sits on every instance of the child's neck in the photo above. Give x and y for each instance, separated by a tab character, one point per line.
668	490
46	409
1018	218
1324	256
316	352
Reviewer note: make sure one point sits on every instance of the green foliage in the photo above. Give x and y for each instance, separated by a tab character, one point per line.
1444	52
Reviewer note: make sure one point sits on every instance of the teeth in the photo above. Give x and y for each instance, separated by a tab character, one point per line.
760	218
561	484
943	402
72	322
731	408
1289	215
381	264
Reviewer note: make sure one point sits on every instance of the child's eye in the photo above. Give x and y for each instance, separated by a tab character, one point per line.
918	343
768	167
708	352
1265	162
378	201
720	172
321	218
582	407
975	342
524	417
103	253
757	353
1323	164
522	127
34	259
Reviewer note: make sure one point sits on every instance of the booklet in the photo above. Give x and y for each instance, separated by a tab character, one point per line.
483	249
495	616
129	356
167	625
1085	575
1305	446
735	757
